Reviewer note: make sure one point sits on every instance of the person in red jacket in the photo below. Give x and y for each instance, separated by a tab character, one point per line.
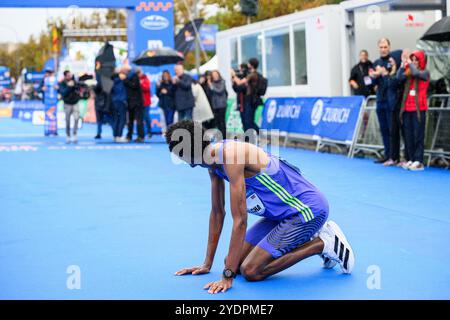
414	107
147	101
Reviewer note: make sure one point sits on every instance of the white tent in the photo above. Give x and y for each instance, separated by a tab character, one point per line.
212	64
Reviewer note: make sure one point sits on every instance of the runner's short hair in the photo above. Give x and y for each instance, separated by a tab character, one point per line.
192	127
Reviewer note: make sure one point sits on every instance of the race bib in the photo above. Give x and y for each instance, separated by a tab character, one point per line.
367	80
412	93
255	205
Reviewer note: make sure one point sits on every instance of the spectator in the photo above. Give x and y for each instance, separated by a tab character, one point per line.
165	94
383	76
69	91
146	101
203	81
202	111
360	81
41	86
119	105
414	107
135	104
396	131
256	85
241	90
219	98
184	98
102	108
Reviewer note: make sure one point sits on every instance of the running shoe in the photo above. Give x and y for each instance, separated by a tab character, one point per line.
337	247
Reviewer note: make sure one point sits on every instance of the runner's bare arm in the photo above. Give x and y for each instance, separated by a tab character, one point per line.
216	217
235	172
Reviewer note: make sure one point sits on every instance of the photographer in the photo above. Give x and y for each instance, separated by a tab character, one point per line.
70	93
256	86
241	90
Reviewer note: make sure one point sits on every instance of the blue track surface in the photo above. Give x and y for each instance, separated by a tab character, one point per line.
129	219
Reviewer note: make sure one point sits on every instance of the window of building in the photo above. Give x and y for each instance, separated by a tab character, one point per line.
234	54
278	57
301	74
251	47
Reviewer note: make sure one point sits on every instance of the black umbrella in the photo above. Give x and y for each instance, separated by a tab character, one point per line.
105	63
85	77
158	57
439	31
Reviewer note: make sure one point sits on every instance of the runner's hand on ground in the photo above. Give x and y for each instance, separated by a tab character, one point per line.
194	271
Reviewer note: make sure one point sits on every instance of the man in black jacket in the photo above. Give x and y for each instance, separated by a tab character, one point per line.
69	90
360	81
184	98
135	105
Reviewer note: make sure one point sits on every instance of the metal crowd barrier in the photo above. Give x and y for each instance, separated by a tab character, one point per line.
367	137
437	133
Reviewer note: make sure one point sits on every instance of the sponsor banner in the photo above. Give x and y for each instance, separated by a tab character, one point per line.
208	36
50	105
150	26
320	117
6	109
24	109
38	118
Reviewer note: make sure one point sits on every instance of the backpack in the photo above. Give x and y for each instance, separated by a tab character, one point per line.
262	85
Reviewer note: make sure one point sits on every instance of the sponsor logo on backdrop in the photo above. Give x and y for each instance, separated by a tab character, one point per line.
154	44
415	20
317	112
336	115
38	118
154	22
271	111
288	110
319	23
154	6
27	115
330	115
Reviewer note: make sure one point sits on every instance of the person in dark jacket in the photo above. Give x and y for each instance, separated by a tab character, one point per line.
384	78
184	98
69	91
251	98
360	81
165	94
241	91
119	105
203	81
135	104
219	98
102	108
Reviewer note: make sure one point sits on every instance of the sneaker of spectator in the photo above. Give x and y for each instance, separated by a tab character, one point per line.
407	165
401	164
416	166
389	163
121	140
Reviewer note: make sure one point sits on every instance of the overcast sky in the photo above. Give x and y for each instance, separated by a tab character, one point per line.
19	24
